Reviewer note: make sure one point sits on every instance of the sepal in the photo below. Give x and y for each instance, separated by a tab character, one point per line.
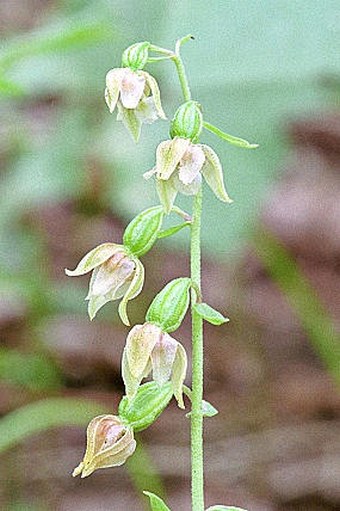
170	305
148	404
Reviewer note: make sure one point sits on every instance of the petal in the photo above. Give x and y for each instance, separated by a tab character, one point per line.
146	111
131	382
213	174
190	189
152	83
130	120
191	164
166	193
162	357
94	258
134	289
131	88
139	345
178	374
168	155
113	81
112	274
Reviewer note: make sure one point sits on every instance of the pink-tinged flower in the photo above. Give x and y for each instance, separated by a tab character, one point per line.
109	444
115	275
137	97
180	165
150	350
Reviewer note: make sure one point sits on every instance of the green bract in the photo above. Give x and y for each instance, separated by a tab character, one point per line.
142	231
187	121
136	56
150	401
170	305
210	314
156	503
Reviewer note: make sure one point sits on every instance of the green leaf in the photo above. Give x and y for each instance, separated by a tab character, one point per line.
173	230
210	314
157	504
42	415
219	507
239	142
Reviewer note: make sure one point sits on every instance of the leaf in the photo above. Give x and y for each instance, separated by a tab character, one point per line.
239	142
157	504
210	314
173	230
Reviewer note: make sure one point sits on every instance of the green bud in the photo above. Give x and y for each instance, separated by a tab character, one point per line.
187	122
169	307
136	56
150	401
142	231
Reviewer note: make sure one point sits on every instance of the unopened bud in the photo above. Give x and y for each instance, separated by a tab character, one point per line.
142	231
136	56
170	305
187	121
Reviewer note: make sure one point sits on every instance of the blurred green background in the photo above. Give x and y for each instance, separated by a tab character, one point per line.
71	177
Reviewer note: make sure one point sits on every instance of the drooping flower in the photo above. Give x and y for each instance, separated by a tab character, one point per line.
116	274
180	165
109	444
137	97
149	349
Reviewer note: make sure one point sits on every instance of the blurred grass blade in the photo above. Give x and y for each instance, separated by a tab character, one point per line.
31	419
303	299
54	39
32	370
239	142
143	473
9	88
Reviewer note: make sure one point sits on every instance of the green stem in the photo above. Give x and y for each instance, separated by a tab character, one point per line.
197	473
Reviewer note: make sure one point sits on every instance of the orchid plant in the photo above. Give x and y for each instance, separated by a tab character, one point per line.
118	273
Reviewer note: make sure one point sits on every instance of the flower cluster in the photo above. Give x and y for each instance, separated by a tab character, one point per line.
182	163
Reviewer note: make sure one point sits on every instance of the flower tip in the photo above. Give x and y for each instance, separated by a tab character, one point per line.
68	272
78	470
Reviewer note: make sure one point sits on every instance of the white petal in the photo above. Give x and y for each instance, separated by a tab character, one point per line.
146	111
190	189
94	258
191	164
113	81
168	155
162	357
112	274
131	89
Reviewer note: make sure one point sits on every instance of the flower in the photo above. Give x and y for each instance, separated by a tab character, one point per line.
116	274
109	444
137	97
149	349
180	165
